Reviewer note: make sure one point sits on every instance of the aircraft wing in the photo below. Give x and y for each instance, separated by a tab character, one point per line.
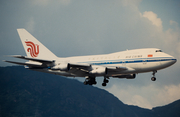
114	70
87	66
84	68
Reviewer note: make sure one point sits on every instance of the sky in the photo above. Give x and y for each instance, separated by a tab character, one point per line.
79	27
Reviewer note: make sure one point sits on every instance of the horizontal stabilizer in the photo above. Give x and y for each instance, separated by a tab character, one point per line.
27	64
33	59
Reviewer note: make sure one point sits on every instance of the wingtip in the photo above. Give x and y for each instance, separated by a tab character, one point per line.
6	61
18	56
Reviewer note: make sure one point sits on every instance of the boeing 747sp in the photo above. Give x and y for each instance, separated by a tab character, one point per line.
124	64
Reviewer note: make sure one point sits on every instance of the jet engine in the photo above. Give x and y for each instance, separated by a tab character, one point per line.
99	71
62	67
127	76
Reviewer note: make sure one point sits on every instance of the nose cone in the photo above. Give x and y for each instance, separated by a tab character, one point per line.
173	60
168	60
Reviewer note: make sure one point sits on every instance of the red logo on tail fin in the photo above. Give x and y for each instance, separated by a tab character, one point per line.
33	49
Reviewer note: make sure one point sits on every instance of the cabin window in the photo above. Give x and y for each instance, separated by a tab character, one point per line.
158	50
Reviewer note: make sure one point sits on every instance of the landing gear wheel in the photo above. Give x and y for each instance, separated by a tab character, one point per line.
94	82
104	84
153	78
85	82
106	81
90	81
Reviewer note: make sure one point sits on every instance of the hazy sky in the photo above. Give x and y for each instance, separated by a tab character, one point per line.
85	27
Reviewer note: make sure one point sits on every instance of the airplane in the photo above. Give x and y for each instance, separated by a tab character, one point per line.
123	64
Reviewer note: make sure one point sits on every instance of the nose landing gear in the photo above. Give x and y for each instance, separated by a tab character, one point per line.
154	78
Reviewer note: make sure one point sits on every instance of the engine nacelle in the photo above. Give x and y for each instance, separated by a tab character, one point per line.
127	76
62	67
99	71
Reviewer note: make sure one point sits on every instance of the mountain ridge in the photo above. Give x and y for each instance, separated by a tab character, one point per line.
29	93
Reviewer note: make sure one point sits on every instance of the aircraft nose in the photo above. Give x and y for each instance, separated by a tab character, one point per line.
174	60
168	62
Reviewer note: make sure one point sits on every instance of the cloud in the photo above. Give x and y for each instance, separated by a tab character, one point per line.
169	93
130	95
151	16
152	95
171	39
173	23
140	101
168	40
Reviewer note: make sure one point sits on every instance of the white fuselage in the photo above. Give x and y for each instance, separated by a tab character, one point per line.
137	61
124	64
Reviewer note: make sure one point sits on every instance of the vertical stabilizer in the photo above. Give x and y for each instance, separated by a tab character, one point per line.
33	47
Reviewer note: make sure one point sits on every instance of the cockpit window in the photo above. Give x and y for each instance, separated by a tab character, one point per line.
158	50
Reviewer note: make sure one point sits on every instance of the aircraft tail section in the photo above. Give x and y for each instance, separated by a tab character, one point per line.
34	48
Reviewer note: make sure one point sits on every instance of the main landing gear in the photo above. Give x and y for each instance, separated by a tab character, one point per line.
154	78
90	81
105	81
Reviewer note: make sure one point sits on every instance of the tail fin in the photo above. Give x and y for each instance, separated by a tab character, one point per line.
33	47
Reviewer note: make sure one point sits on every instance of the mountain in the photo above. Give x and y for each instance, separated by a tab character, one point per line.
172	110
34	94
